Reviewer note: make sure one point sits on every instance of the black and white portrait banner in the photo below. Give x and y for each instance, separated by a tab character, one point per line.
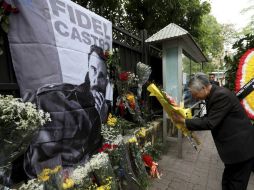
50	41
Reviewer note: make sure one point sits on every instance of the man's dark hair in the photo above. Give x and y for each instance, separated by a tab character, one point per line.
98	50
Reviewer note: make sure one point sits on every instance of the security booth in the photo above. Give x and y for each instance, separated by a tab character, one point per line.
180	54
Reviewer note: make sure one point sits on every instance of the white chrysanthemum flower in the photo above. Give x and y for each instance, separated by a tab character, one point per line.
80	173
31	185
99	160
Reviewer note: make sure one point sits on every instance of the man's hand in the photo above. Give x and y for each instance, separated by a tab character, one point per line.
177	118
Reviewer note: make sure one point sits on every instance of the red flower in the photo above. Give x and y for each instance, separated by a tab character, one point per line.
121	108
8	8
107	146
148	160
132	105
123	76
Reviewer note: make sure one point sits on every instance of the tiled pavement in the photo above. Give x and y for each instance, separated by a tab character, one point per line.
200	170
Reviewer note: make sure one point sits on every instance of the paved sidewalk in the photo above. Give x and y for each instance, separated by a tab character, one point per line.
200	170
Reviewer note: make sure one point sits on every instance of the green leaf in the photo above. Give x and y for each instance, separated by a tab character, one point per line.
5	25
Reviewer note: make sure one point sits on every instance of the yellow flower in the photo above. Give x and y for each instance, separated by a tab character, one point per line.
104	187
111	120
142	132
68	183
130	97
101	188
133	140
43	178
91	187
131	100
44	175
56	169
46	172
107	186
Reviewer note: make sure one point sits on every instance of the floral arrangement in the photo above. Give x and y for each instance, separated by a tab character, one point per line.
107	186
53	179
126	81
103	171
141	133
115	166
111	130
113	66
244	74
50	179
128	104
18	122
81	175
143	158
127	101
155	150
128	85
171	108
137	163
31	185
117	151
143	72
153	166
116	126
96	174
125	124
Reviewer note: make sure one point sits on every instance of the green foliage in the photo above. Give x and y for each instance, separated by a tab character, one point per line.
5	24
249	29
154	15
193	16
110	9
189	66
241	46
136	15
209	67
154	150
211	38
230	34
138	166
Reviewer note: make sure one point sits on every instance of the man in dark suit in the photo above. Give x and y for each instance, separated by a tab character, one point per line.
231	129
212	79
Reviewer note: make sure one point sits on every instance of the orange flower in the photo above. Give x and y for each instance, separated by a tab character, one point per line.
131	99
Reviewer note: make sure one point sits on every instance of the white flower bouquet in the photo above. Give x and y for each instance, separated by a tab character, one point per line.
143	72
18	122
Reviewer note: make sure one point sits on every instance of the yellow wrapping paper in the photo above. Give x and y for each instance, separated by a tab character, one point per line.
170	109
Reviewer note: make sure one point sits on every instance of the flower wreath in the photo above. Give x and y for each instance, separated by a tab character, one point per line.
244	74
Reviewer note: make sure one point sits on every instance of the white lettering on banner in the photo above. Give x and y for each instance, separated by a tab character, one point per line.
87	28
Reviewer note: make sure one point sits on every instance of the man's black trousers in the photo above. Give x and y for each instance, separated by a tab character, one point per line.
236	176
